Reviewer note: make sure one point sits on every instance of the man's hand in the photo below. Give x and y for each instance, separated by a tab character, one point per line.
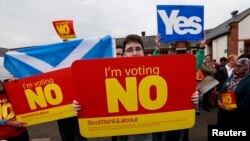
203	42
195	97
76	106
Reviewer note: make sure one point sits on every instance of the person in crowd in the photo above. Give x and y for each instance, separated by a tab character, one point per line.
245	55
223	62
133	47
69	129
239	85
10	128
208	69
224	72
215	63
119	52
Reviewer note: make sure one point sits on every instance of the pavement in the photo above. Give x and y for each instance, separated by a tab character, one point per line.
49	131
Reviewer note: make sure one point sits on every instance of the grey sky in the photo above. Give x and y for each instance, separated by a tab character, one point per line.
29	22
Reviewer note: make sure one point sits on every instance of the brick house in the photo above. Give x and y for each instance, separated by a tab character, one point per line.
230	37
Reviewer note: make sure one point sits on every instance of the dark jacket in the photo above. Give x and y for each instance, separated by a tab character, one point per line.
221	76
241	115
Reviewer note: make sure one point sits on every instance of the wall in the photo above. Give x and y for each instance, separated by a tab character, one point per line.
244	28
219	47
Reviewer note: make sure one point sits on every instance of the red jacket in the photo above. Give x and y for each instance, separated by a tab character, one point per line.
6	112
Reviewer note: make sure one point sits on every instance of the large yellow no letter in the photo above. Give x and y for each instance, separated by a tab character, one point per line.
144	92
128	97
42	97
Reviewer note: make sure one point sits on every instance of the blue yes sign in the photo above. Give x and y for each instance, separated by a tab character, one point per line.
180	23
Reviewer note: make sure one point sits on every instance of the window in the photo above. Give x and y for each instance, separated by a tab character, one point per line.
247	49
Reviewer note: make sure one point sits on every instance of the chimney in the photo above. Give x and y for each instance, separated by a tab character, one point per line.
143	33
234	13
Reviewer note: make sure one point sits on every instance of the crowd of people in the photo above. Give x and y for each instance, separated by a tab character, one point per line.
232	73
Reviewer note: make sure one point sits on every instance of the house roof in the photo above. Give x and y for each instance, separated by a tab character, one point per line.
148	42
223	28
2	51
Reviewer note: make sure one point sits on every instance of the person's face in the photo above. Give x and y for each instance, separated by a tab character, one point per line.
181	44
208	59
119	52
223	63
232	61
239	69
133	49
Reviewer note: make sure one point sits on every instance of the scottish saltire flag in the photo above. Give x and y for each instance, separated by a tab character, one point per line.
31	61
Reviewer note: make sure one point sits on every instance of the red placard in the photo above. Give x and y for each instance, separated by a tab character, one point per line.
228	99
134	95
42	98
64	29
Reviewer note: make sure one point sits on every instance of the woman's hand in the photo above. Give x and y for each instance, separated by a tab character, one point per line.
16	123
223	106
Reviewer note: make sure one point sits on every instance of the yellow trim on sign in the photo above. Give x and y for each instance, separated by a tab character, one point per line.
136	124
47	115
